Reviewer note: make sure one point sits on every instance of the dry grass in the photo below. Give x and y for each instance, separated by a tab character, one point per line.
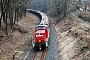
19	38
73	42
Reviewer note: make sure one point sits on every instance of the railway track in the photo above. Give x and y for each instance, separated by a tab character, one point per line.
42	55
38	55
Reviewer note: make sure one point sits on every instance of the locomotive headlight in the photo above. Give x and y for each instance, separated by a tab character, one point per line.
39	40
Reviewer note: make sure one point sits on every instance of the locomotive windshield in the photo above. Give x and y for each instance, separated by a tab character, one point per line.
41	28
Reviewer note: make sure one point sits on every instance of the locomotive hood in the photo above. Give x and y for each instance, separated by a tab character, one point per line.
40	33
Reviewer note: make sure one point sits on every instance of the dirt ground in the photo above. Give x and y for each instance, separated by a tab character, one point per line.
18	39
73	38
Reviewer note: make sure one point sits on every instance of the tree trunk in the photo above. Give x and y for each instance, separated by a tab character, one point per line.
65	7
0	20
6	24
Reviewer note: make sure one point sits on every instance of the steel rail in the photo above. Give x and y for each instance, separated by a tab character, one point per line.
33	56
41	56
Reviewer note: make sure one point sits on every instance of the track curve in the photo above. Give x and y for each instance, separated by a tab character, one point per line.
51	51
34	53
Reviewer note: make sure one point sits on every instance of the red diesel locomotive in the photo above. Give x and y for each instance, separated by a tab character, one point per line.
41	36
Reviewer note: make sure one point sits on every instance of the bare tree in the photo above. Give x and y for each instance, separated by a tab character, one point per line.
11	10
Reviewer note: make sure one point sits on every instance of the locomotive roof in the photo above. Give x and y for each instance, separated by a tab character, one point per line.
41	25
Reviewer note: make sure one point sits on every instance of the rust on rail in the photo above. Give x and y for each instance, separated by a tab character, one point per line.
34	54
43	54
